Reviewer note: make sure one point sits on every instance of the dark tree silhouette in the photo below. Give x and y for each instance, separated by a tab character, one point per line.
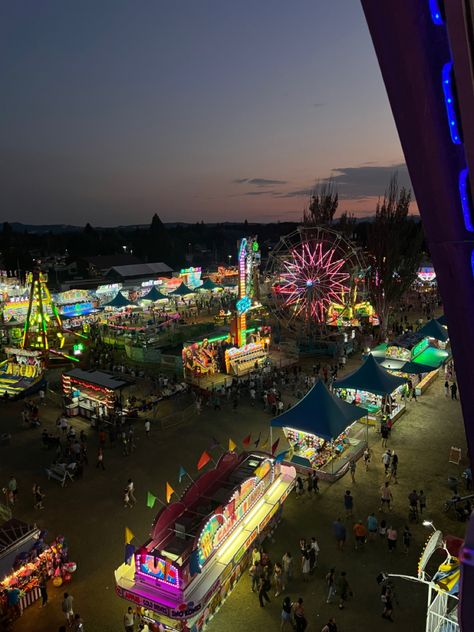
394	242
322	205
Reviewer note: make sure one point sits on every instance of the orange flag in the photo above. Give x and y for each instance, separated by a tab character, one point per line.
246	441
169	492
204	460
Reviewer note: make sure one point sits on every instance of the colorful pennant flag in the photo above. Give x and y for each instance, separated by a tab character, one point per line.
232	445
129	551
203	460
194	566
281	457
182	473
265	443
150	500
169	492
258	440
275	445
246	441
128	535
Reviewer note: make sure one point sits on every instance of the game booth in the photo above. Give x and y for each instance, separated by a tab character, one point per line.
413	355
201	544
322	432
352	316
373	388
25	558
22	373
91	394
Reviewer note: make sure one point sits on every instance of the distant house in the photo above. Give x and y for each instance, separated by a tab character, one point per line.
140	271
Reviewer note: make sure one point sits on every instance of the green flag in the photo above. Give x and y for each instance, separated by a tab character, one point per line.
150	500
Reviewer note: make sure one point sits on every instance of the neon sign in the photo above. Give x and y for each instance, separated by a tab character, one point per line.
77	308
243	305
160	569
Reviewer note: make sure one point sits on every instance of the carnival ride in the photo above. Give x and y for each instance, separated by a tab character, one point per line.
316	278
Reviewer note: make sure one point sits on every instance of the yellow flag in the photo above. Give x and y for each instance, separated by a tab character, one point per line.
128	535
232	445
169	492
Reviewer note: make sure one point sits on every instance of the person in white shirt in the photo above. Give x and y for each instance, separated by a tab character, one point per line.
129	620
131	491
147	427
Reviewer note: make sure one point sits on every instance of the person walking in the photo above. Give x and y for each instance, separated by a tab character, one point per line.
286	610
38	496
129	620
384	434
387	601
360	534
315	483
43	586
422	500
454	390
100	459
299	488
366	457
131	491
78	624
313	553
299	615
339	530
386	459
352	468
305	563
446	388
309	485
392	536
287	568
278	578
394	468
385	496
348	503
343	589
372	526
413	503
330	626
67	606
256	572
331	584
263	588
147	428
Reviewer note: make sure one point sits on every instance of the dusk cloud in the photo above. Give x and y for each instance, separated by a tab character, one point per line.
259	182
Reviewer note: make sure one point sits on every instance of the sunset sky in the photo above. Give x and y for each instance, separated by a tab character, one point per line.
196	109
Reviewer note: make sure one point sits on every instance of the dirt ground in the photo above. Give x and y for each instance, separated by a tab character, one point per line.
90	513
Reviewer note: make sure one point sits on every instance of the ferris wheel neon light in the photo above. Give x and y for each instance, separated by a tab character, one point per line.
311	280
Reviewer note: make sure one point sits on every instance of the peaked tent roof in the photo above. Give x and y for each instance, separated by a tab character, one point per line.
182	290
320	413
442	320
209	285
154	295
119	300
434	329
372	378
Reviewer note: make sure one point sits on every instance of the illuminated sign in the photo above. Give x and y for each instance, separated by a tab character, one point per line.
426	274
420	347
158	568
77	308
23	370
243	305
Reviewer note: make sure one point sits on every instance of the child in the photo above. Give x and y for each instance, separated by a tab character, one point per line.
383	529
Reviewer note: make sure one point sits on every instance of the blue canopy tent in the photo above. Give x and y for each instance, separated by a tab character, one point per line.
442	320
319	413
434	329
118	301
372	378
181	290
209	285
154	295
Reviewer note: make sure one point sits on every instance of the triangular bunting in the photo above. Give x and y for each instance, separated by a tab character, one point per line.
232	445
275	446
203	460
246	441
128	535
129	551
150	500
169	492
182	473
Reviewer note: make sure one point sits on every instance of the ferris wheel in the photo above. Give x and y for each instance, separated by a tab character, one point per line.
312	272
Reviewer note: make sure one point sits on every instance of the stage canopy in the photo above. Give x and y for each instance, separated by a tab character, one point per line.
154	295
118	301
434	329
371	378
181	290
320	413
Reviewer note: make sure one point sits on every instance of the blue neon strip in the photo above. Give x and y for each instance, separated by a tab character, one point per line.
472	262
449	101
465	201
435	12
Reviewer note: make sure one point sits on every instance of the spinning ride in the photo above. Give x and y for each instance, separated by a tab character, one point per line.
317	277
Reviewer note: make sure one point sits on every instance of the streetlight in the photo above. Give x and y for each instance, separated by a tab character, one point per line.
229	257
428	523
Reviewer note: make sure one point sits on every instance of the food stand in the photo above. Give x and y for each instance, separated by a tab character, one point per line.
321	432
374	388
25	558
91	394
22	373
201	544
